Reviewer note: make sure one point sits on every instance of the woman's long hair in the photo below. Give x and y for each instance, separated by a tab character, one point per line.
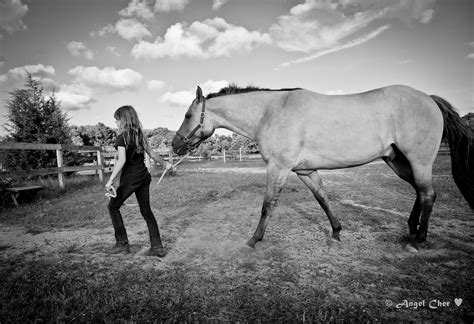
131	128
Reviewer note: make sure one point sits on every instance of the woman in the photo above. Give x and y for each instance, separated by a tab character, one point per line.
134	177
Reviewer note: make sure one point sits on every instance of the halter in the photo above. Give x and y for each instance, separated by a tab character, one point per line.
186	139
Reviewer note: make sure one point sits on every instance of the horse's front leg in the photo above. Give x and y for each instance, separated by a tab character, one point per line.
276	178
313	181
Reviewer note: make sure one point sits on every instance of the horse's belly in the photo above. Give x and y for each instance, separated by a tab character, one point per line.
340	156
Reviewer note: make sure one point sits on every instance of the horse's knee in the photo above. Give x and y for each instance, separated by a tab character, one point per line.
427	197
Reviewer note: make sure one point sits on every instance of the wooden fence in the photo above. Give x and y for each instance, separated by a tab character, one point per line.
103	152
99	166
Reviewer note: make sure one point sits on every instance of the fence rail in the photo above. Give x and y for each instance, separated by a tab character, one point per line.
103	152
61	169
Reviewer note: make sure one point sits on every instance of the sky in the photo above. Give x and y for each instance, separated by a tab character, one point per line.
97	55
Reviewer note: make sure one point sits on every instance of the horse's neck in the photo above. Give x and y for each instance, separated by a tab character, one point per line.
240	116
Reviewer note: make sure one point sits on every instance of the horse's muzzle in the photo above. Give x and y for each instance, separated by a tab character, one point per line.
179	146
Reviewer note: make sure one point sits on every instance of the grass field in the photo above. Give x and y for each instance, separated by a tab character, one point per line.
53	267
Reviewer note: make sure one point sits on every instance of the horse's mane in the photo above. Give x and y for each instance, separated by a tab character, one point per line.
235	89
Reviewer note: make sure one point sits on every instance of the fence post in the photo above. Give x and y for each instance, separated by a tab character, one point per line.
240	154
170	160
224	154
59	158
100	162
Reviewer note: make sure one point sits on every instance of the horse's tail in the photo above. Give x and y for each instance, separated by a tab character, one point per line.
460	138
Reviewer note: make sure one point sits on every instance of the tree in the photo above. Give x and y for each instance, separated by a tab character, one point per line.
34	118
246	144
97	135
159	136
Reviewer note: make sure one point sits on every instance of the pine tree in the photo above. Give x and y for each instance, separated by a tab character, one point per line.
34	118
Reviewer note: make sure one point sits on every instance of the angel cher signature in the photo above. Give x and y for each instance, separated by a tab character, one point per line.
433	303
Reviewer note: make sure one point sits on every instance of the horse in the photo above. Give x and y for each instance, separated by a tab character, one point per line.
303	131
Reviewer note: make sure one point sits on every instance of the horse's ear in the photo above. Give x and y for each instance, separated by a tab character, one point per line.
199	95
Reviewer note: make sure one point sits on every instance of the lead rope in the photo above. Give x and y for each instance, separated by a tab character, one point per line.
166	170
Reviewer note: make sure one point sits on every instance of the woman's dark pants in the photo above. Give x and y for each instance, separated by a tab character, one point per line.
142	192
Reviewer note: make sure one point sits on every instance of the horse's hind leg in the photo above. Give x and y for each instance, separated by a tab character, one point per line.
315	184
401	166
276	178
420	177
427	197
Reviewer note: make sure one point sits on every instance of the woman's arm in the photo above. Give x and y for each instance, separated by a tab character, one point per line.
122	158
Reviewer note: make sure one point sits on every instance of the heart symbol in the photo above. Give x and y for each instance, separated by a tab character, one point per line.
458	301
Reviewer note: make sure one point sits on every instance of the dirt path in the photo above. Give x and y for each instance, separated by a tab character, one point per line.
206	227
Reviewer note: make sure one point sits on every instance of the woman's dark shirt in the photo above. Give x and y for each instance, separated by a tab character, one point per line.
134	171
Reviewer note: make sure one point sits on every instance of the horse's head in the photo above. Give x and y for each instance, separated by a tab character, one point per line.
195	127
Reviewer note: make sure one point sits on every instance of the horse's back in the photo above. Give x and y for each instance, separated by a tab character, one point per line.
344	130
417	120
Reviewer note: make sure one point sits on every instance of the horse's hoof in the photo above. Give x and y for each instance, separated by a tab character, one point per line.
335	236
251	243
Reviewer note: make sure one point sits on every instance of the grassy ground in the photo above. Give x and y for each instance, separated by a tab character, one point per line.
53	267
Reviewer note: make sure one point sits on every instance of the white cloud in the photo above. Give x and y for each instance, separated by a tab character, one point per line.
427	16
155	85
170	5
112	50
177	42
184	98
87	82
470	56
79	49
180	98
216	4
131	29
108	79
138	9
211	38
322	27
11	15
109	29
212	86
412	11
408	11
75	97
314	26
405	61
352	43
237	39
39	72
